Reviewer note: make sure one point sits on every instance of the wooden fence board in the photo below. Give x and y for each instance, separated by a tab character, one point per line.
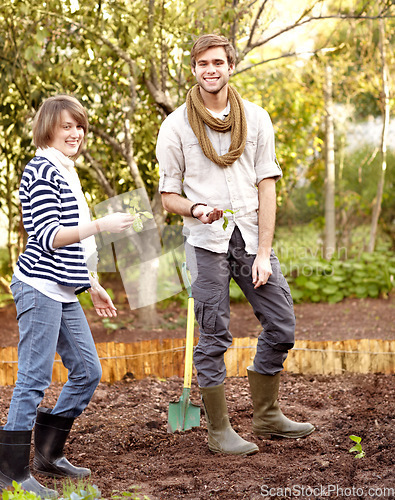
165	358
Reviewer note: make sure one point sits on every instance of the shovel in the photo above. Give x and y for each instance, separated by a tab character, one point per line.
184	415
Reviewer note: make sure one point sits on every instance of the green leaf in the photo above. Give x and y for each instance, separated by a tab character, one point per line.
330	289
337	297
138	224
312	286
316	298
296	294
361	291
148	215
225	224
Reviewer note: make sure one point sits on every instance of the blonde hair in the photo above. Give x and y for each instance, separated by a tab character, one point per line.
206	42
48	117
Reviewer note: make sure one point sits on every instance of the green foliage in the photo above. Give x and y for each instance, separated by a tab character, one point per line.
356	188
73	491
5	298
80	491
235	293
111	325
348	274
4	262
85	300
18	494
371	275
357	447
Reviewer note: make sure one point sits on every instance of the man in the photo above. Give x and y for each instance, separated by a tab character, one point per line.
218	150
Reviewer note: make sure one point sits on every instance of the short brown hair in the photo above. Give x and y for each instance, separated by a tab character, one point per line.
48	116
206	42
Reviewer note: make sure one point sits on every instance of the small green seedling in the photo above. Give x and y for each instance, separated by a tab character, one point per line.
357	447
226	219
17	493
138	224
110	325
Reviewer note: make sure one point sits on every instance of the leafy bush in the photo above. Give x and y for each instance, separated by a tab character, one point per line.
372	275
349	274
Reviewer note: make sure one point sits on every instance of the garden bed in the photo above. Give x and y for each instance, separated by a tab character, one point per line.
122	436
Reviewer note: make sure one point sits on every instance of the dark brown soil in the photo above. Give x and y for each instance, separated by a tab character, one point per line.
122	435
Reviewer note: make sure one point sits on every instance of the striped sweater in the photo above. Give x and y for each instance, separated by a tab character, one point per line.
48	203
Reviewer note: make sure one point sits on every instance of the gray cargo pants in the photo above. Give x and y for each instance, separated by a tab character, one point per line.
272	304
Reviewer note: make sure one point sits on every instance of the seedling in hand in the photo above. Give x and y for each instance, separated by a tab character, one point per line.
226	220
138	221
357	447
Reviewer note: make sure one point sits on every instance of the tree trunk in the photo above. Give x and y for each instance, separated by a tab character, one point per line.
330	226
384	133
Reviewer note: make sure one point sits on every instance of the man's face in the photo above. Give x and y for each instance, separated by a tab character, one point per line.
212	70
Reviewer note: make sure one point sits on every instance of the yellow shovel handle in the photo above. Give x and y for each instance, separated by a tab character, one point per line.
189	344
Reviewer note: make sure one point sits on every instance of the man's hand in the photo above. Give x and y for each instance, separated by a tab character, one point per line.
261	270
207	215
102	302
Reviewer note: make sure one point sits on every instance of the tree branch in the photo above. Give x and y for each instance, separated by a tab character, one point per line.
254	26
285	55
162	99
101	178
109	139
250	46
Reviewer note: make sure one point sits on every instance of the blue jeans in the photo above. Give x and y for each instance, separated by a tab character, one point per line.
47	326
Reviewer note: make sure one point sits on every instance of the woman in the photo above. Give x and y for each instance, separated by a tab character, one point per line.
47	278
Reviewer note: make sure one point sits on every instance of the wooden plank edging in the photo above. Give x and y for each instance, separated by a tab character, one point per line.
165	358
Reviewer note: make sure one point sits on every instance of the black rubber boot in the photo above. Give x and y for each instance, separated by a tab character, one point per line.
14	463
50	435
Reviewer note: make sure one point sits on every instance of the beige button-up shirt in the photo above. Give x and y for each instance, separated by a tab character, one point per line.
185	169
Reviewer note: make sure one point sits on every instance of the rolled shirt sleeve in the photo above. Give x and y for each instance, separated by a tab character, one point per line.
266	164
171	159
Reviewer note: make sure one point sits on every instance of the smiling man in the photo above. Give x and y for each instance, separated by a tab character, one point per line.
216	155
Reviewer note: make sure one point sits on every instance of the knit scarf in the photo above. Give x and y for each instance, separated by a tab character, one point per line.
198	116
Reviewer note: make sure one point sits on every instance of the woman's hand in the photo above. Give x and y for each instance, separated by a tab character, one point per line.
102	302
115	223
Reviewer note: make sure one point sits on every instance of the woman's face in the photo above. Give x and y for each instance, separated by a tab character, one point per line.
68	135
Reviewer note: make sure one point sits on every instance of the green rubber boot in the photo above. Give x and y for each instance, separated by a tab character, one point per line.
221	437
268	419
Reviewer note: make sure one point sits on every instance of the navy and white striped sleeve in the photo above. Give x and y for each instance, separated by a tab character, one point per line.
45	203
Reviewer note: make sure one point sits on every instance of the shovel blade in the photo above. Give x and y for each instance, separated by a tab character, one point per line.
183	415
